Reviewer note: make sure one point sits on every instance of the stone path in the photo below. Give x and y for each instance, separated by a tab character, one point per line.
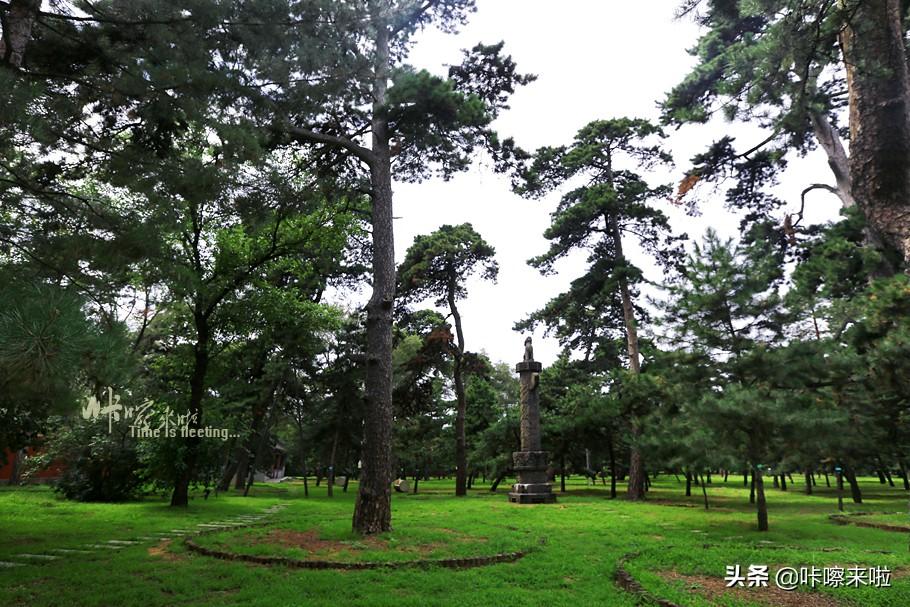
25	558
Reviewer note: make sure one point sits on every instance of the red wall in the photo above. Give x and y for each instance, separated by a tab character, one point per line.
52	472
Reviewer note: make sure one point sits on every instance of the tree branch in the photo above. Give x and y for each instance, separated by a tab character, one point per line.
309	136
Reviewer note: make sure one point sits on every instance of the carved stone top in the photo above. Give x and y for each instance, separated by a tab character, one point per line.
529	365
529	350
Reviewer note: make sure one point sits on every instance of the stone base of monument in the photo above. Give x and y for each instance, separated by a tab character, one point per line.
532	486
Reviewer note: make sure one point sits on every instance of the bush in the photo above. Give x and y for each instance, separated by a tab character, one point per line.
98	465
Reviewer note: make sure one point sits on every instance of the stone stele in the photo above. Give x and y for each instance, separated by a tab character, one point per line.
533	486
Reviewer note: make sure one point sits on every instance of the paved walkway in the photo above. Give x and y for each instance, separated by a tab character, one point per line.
25	558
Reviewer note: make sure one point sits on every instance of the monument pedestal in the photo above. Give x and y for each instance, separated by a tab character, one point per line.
533	486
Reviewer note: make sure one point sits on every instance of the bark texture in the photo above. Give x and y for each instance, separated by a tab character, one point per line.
17	30
373	508
878	84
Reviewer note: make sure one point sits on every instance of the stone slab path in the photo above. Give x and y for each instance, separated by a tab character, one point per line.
25	558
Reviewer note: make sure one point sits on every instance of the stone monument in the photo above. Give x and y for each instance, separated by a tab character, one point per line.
533	486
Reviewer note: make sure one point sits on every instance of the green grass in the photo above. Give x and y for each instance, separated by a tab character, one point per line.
576	546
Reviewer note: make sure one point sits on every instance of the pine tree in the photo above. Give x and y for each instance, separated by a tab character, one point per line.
613	202
437	266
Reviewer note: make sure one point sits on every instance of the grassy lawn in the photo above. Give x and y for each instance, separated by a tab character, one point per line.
674	548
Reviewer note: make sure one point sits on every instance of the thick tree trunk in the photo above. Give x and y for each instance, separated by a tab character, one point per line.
752	489
761	506
17	30
808	483
878	84
373	508
688	484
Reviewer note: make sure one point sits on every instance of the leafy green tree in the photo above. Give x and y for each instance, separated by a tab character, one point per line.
612	201
437	266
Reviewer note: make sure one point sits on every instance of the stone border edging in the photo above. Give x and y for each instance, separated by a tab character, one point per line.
844	519
628	583
454	563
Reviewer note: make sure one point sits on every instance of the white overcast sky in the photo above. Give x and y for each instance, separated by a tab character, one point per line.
595	59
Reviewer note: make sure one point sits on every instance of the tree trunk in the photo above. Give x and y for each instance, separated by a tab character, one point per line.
306	484
688	484
612	467
808	483
17	30
181	494
243	463
331	478
903	468
761	505
15	468
230	469
704	492
562	474
496	482
752	489
854	486
636	486
461	453
373	508
878	85
783	481
840	490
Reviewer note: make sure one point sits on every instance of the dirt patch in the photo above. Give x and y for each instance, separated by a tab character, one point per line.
310	542
161	551
716	588
841	519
